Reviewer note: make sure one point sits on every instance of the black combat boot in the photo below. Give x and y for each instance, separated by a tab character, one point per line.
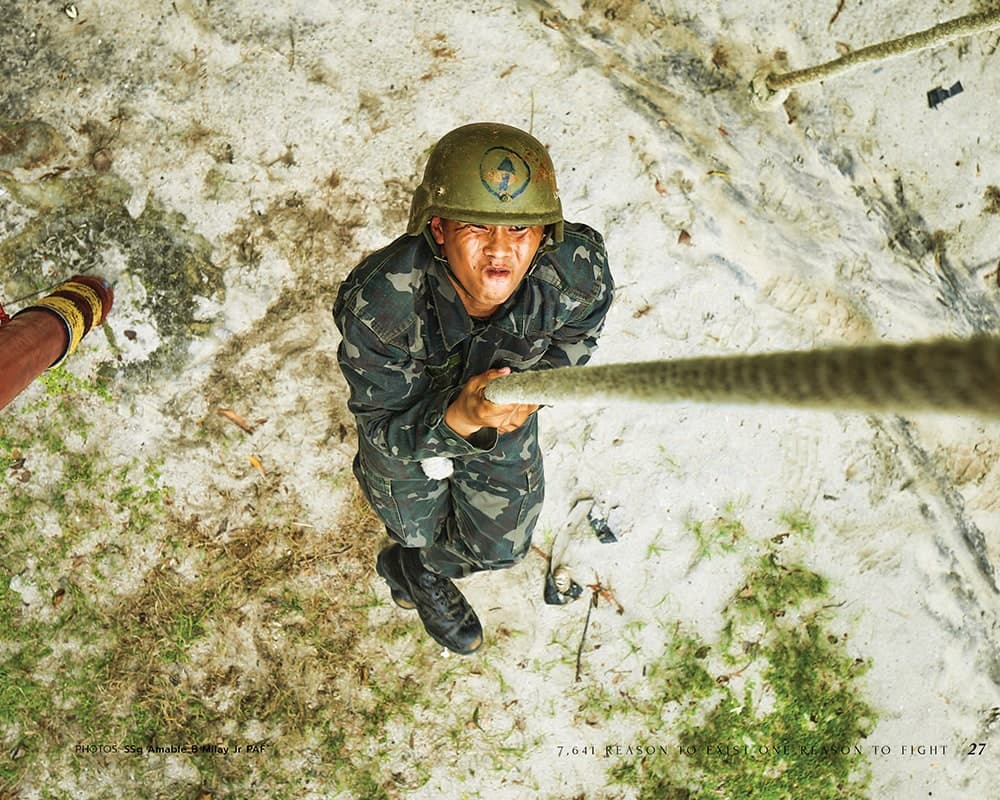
388	566
446	614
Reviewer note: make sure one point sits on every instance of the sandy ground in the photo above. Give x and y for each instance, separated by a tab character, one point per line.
238	159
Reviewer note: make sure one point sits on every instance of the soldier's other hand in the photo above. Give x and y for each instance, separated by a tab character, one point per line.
471	411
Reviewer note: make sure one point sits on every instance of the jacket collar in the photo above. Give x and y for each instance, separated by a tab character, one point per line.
454	321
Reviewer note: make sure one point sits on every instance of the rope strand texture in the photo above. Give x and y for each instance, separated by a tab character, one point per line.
769	90
945	375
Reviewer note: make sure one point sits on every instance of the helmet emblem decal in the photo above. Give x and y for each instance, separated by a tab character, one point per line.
504	173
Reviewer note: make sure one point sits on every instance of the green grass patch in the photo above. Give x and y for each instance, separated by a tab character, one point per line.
775	710
721	534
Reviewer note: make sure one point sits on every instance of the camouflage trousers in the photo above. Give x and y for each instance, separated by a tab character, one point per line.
480	518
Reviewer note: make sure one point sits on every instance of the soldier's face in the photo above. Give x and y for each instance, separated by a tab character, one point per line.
489	260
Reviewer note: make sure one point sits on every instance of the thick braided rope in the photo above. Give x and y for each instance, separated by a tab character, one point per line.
769	90
945	375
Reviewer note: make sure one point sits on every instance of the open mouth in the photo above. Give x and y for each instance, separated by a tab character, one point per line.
496	273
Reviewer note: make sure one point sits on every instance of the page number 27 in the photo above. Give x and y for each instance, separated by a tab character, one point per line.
977	748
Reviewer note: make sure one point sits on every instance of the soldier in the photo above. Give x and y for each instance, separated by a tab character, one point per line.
488	279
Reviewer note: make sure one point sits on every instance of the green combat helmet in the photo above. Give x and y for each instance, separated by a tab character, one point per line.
490	174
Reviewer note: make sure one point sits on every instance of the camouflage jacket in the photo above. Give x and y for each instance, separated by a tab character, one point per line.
408	345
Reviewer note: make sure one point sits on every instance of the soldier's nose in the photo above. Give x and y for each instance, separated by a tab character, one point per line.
498	242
